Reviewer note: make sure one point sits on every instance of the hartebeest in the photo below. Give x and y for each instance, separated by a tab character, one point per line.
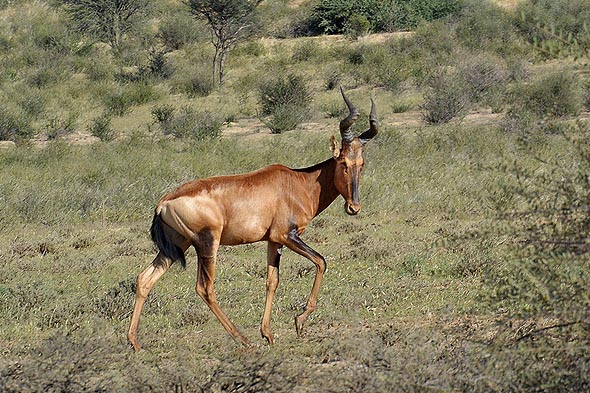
274	204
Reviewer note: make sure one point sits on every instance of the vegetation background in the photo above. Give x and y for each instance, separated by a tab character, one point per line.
467	270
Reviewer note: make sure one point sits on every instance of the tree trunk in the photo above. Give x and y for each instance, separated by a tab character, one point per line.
222	59
215	61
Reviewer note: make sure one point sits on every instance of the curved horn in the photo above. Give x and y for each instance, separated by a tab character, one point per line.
345	124
374	125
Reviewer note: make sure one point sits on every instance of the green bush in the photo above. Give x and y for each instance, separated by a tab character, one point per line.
32	103
163	114
357	26
279	92
194	83
47	74
178	30
120	100
115	303
556	94
446	98
59	126
484	25
332	16
14	126
188	123
546	226
556	28
285	100
431	45
485	76
118	103
566	15
285	118
158	65
101	128
305	50
333	79
376	64
520	122
253	48
413	12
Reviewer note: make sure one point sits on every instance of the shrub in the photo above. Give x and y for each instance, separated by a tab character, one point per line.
565	15
142	92
101	128
332	16
285	118
484	75
283	91
251	48
413	12
556	94
556	28
58	126
305	50
99	70
188	123
119	101
286	100
486	26
107	20
356	56
376	64
520	122
47	74
14	126
195	84
116	303
178	30
32	103
445	98
414	57
333	79
357	26
158	65
334	109
163	114
547	228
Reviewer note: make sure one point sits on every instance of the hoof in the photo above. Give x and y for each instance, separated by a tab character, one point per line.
269	338
135	345
298	325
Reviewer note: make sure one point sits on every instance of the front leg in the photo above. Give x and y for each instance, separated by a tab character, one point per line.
295	243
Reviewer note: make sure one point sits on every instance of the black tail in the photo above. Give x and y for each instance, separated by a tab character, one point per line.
164	243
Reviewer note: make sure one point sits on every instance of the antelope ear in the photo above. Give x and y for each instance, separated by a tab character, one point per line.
334	146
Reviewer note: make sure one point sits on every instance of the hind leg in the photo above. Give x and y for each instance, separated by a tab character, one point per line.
274	251
207	253
145	282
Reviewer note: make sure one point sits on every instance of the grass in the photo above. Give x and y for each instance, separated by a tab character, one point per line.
422	287
83	238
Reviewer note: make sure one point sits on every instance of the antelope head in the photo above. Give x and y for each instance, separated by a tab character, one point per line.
349	156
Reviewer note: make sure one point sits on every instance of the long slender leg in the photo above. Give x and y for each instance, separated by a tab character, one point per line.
295	243
145	281
272	281
206	252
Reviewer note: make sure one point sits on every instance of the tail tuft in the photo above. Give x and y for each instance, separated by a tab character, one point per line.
163	242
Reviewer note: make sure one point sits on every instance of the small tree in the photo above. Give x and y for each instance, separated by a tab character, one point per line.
230	21
106	20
